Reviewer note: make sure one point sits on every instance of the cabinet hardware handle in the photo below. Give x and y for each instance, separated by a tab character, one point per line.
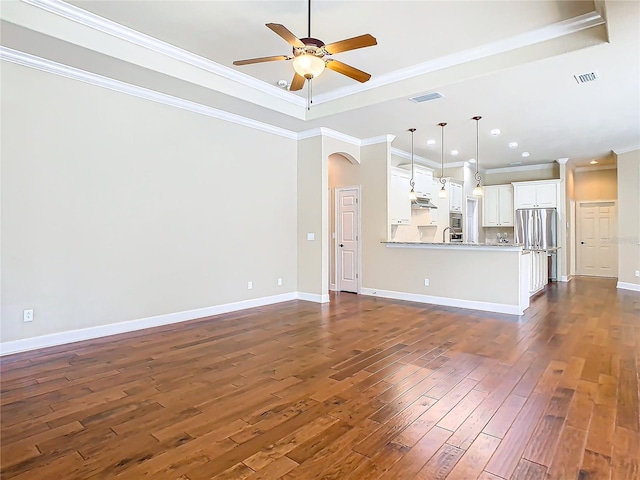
341	245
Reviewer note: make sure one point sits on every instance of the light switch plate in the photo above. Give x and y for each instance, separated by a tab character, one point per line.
311	236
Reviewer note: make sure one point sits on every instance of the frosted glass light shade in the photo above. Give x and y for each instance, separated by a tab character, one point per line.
309	66
477	192
442	193
412	195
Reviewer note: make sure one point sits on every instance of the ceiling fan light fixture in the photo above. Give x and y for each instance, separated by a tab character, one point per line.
308	66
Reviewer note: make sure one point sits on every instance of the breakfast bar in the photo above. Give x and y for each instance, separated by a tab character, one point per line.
488	277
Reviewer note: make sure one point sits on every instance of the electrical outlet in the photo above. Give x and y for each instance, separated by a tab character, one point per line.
426	282
637	273
249	285
27	315
279	281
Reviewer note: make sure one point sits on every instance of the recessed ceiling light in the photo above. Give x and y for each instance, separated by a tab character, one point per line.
513	144
525	154
593	162
431	142
495	131
472	160
454	152
282	83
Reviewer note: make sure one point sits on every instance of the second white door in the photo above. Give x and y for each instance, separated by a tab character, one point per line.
597	251
347	248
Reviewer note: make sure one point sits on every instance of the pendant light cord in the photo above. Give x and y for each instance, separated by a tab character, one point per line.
412	182
309	21
478	177
442	180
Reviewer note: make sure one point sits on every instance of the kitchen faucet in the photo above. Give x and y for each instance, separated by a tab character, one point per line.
444	232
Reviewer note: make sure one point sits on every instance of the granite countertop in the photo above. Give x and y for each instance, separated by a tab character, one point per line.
460	245
457	244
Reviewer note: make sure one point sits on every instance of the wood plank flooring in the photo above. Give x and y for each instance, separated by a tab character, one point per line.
361	388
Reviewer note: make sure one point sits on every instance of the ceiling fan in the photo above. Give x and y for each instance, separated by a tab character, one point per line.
311	56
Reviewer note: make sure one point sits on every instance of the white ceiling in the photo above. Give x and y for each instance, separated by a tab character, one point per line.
510	62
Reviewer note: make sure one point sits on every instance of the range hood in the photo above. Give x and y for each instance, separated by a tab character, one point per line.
422	202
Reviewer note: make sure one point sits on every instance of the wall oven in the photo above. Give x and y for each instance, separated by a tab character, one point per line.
455	222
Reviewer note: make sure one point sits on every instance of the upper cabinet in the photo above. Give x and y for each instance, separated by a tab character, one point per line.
423	180
497	206
539	194
455	197
399	203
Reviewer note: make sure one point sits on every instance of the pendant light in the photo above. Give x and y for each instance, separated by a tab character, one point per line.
477	192
412	194
443	192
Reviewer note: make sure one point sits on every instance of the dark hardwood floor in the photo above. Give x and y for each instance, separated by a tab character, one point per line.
361	388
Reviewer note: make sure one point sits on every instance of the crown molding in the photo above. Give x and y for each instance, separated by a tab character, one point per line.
27	60
42	64
595	167
549	32
425	161
522	168
620	151
84	17
388	138
328	132
562	161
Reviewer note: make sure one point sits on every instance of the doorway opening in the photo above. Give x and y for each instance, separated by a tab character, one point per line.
471	226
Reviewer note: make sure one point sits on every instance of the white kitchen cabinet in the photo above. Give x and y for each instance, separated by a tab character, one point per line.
454	193
434	213
538	194
539	272
423	180
399	203
497	206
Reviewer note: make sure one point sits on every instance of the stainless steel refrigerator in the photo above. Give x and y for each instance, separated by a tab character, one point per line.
536	229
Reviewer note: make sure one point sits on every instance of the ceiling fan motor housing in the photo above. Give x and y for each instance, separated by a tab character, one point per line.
312	46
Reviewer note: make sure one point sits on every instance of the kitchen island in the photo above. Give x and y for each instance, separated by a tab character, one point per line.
489	277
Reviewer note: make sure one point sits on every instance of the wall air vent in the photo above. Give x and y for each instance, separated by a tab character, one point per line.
587	77
426	97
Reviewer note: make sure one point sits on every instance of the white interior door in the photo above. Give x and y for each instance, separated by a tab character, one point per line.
471	235
596	248
347	248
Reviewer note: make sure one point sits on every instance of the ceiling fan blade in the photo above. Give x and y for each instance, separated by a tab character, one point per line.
261	59
351	44
289	37
297	83
348	70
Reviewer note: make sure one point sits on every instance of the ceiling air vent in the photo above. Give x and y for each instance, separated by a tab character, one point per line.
426	97
587	77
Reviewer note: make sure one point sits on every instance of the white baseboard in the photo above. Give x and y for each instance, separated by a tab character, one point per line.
628	286
565	278
448	302
312	297
332	287
71	336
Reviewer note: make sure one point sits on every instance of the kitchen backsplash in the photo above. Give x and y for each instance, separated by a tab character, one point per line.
493	234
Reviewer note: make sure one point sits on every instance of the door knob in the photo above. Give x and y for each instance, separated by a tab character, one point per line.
582	243
341	245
